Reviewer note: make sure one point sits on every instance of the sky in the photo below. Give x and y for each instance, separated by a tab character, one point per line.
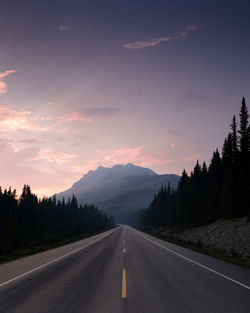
90	83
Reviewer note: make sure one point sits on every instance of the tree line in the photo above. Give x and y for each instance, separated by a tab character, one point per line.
221	189
27	221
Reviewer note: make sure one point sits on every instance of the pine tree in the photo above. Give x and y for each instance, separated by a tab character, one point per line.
221	190
248	136
243	184
243	131
183	181
228	195
235	150
197	170
204	169
248	143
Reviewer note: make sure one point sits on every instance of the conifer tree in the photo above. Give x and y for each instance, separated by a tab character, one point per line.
28	222
235	150
222	189
243	185
183	180
243	131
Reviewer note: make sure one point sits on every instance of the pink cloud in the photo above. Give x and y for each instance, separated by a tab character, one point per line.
101	111
87	114
43	180
81	169
188	29
6	73
53	156
63	27
3	86
134	155
191	159
33	141
14	119
147	43
105	158
121	156
73	117
173	145
139	44
124	155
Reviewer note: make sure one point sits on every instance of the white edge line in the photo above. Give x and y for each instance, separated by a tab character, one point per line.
52	261
192	261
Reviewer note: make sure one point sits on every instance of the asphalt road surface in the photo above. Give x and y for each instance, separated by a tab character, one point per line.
123	270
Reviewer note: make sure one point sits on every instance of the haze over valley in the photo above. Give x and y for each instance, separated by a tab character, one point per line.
121	191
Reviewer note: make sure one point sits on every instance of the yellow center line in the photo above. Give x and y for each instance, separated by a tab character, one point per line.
124	285
124	250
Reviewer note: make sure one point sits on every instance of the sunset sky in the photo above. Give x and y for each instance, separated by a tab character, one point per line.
89	83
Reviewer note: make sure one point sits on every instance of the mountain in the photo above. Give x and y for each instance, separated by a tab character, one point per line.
121	190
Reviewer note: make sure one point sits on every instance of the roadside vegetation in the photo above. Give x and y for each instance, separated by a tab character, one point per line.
219	190
29	224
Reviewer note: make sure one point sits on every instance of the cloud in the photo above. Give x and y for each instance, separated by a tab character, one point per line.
14	156
87	114
13	119
73	117
136	155
3	86
173	145
191	158
153	42
53	156
124	155
6	73
5	141
32	141
16	171
121	156
105	158
63	27
188	29
100	111
143	44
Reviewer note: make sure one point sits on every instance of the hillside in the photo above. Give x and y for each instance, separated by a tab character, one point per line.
120	190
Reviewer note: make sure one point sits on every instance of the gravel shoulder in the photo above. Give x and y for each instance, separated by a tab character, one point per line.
225	238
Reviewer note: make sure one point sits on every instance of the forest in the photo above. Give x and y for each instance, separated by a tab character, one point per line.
28	222
219	190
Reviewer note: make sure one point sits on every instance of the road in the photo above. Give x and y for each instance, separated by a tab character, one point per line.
123	270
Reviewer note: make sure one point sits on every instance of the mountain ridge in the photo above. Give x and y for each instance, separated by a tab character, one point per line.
133	185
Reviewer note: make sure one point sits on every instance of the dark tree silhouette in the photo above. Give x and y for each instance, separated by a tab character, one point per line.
220	190
27	222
